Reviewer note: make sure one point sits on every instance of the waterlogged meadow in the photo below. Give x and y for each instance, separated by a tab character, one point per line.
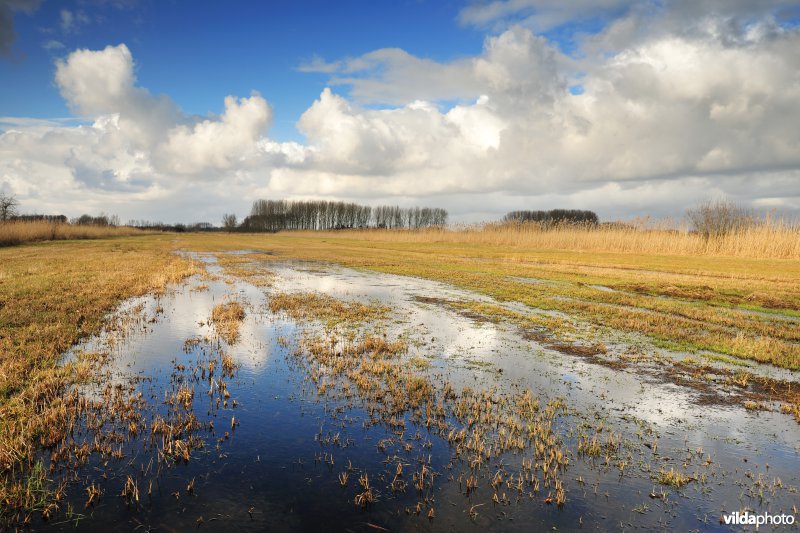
270	392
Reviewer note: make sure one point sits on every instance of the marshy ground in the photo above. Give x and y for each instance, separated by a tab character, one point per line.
298	382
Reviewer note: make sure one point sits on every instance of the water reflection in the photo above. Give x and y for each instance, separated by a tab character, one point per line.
273	470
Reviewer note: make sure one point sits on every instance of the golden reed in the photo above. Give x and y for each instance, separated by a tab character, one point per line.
20	232
772	239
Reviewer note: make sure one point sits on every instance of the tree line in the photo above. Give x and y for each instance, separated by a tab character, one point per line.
276	215
554	217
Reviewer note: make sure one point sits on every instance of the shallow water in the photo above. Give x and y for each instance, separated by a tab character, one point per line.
274	471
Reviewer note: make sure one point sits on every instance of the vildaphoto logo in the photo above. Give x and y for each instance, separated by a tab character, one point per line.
751	519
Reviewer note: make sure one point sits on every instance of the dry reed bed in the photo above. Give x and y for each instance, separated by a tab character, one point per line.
773	239
21	232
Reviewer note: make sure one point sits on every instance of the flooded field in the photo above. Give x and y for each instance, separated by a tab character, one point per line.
288	395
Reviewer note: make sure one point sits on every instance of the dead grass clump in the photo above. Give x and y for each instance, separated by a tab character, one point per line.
313	306
227	317
673	478
792	409
246	267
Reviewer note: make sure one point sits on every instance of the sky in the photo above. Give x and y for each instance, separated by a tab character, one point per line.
182	111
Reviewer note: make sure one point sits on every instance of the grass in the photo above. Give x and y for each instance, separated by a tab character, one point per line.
771	239
20	232
227	317
51	295
738	299
241	266
696	302
477	425
310	305
673	478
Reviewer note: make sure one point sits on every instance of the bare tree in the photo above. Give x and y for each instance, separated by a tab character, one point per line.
229	221
277	215
719	217
8	206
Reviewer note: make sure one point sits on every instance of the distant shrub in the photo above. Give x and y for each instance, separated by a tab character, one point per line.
229	221
554	217
101	220
720	217
8	207
56	219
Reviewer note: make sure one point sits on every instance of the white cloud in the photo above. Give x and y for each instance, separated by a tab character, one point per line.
52	44
67	20
668	116
221	143
71	21
136	151
666	109
540	15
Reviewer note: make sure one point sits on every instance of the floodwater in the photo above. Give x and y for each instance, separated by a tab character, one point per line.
278	466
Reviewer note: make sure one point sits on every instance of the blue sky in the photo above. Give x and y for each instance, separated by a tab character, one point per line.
180	111
244	46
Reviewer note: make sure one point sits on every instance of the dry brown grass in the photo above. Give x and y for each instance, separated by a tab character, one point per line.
736	306
775	240
245	266
51	295
310	305
673	478
20	232
227	317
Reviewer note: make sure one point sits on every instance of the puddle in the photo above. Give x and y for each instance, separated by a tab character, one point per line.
602	288
279	466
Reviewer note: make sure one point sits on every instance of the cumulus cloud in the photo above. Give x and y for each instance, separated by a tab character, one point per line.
220	143
96	83
102	84
132	146
664	118
705	107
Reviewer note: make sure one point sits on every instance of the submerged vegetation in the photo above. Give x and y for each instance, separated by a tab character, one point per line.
227	317
479	426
